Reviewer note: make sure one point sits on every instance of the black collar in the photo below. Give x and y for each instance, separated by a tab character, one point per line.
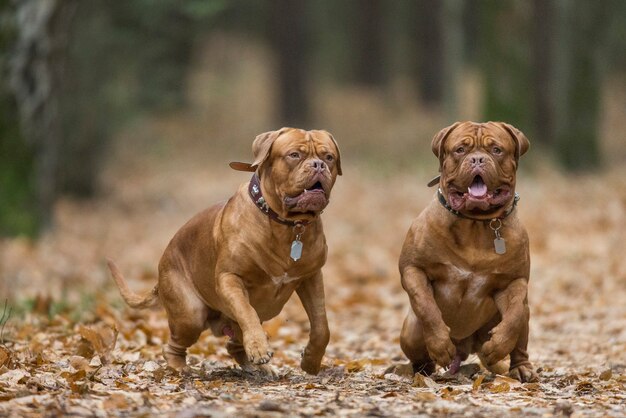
445	204
254	189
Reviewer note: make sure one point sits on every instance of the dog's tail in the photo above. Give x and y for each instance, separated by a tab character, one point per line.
133	299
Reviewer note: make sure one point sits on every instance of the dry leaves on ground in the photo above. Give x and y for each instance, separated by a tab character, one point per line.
76	350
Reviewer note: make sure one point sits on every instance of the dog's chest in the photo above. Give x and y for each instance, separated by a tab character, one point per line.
464	298
457	285
283	279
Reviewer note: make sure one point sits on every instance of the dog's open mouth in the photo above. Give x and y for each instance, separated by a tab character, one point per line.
312	199
477	197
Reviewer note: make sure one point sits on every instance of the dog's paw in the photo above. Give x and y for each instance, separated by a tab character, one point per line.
441	350
176	362
498	346
524	373
424	368
311	363
267	371
258	350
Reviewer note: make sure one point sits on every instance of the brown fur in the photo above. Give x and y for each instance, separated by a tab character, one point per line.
229	267
465	298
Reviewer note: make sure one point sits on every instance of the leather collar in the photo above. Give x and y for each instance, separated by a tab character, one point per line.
254	190
446	205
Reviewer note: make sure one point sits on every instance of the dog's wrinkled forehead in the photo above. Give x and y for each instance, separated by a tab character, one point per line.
307	142
475	132
479	135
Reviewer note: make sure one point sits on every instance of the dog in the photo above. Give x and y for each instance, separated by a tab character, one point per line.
235	265
465	261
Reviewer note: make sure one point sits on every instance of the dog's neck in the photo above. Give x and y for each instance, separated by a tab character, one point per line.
256	194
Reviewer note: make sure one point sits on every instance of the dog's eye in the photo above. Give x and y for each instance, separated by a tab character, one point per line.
294	155
460	150
329	158
496	151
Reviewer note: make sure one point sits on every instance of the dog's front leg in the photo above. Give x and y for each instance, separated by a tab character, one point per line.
311	293
433	333
510	336
232	290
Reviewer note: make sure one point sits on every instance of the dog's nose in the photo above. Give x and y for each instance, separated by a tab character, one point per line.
477	160
318	165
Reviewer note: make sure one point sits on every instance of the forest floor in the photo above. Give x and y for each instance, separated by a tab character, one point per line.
70	347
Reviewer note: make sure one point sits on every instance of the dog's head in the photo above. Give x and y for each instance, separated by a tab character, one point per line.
297	169
478	163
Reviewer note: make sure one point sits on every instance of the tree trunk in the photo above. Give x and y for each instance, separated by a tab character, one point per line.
505	62
288	36
36	79
543	36
430	46
452	56
582	40
369	63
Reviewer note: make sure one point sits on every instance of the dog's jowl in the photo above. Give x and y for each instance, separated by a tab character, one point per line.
465	261
236	264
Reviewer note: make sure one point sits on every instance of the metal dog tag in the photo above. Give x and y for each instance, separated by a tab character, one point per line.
499	245
296	249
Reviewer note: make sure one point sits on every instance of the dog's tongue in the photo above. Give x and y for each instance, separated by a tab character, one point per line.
478	188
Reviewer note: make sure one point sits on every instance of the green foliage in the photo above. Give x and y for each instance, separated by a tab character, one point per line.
505	61
17	192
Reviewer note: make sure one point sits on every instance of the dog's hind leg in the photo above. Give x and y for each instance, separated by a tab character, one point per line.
186	315
414	347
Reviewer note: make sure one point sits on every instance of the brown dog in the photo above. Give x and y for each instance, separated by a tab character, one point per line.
465	261
236	264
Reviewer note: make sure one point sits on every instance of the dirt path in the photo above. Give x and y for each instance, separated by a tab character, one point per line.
95	357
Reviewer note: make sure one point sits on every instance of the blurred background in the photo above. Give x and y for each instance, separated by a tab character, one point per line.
118	120
86	85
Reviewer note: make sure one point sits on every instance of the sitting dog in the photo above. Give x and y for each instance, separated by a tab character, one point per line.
236	264
465	261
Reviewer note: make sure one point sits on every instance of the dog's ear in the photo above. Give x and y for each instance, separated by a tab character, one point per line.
262	146
521	142
332	138
440	139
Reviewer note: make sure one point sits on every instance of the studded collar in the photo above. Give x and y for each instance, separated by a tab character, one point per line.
254	190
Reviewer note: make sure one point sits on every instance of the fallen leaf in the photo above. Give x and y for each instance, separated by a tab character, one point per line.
102	337
355	366
477	382
449	392
421	381
605	375
13	377
499	387
74	377
79	362
5	356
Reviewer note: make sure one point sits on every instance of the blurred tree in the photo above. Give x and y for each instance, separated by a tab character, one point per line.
505	61
78	70
453	60
583	45
429	39
543	45
18	209
369	48
38	62
288	34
